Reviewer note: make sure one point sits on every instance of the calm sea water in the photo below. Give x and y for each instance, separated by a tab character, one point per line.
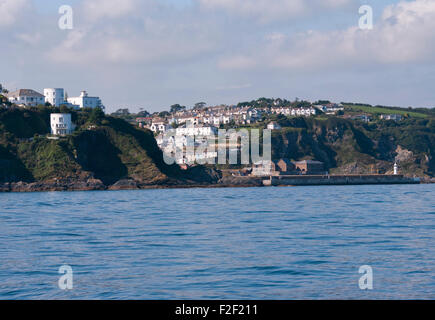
254	243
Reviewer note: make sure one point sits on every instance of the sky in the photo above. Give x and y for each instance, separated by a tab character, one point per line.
151	54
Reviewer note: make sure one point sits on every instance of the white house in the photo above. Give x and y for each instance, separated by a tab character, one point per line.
303	112
160	127
61	124
84	101
227	118
196	131
331	108
195	157
217	120
263	168
207	119
273	126
27	97
186	119
54	96
394	117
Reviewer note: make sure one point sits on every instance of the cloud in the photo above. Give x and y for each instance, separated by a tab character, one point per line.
267	11
234	87
157	41
215	48
10	11
404	34
109	9
30	38
238	62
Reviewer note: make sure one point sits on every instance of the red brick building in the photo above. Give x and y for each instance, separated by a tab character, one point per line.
310	167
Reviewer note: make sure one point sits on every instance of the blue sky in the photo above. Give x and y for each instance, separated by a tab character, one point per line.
154	53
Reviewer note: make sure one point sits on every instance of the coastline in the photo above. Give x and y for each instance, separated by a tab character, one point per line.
229	182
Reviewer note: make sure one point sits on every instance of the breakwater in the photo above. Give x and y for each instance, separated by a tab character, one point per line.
305	180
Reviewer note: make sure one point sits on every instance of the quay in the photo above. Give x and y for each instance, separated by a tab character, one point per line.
307	180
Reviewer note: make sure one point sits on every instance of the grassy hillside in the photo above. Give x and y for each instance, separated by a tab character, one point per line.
378	110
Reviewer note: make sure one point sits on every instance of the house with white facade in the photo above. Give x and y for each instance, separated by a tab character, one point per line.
305	112
331	108
217	120
54	96
207	119
273	126
263	168
26	97
160	127
283	110
85	101
362	117
194	120
61	124
196	131
394	117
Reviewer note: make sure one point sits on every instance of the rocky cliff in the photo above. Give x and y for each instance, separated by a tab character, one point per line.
104	152
348	147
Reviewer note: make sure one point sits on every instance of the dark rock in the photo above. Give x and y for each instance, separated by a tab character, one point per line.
124	184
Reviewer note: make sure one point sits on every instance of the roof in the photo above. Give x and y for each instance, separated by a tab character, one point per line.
287	161
309	162
274	123
263	162
25	93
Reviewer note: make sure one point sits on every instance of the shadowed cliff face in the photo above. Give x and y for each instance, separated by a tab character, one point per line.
110	150
95	153
11	168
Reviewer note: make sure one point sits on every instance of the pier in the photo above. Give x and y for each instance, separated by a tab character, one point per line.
306	180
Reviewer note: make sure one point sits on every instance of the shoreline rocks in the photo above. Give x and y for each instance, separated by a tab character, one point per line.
92	184
53	185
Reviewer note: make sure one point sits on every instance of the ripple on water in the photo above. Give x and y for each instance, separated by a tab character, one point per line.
253	243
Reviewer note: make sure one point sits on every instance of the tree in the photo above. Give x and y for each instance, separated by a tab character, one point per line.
301	104
199	105
164	114
121	112
143	113
3	89
64	109
176	107
97	115
322	102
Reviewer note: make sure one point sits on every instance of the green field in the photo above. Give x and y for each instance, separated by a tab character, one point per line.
382	110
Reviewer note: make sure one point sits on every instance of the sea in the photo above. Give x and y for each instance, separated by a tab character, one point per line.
275	243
